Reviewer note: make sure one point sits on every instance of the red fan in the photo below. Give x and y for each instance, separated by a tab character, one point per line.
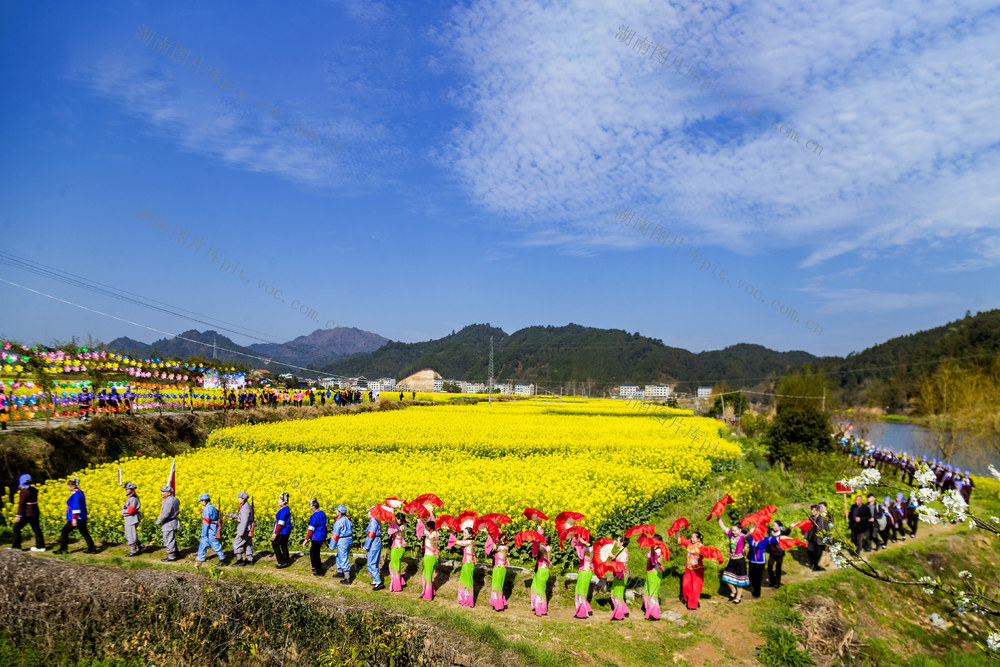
534	515
498	519
719	507
712	552
381	513
417	508
466	520
446	521
394	502
647	542
644	529
790	542
487	525
575	531
805	526
680	523
604	562
566	520
429	500
528	536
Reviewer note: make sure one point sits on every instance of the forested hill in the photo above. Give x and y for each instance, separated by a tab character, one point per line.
567	354
886	374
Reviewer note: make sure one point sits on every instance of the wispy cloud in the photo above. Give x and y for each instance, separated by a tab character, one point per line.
565	121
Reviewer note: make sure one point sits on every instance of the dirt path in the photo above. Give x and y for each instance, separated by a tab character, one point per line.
723	628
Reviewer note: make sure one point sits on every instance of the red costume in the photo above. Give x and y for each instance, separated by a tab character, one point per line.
694	573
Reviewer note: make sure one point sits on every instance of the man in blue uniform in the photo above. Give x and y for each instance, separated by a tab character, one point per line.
342	539
76	517
209	528
373	546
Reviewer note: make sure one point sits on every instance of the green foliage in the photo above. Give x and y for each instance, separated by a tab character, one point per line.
782	650
735	402
754	426
797	429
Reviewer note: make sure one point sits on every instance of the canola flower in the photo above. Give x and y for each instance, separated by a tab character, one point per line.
582	457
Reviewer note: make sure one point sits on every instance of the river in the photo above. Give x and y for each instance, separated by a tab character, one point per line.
920	441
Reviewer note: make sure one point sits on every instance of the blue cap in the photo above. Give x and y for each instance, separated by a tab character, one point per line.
24	480
341	509
203	496
899	496
886	499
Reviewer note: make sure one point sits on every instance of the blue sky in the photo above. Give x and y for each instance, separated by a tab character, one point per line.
473	162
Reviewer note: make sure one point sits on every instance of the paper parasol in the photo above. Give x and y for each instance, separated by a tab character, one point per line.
604	562
566	520
534	515
497	518
644	529
528	536
466	520
487	525
416	507
677	525
381	513
574	531
719	507
805	525
430	501
394	502
790	542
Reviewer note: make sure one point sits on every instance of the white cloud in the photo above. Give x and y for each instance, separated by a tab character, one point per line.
566	122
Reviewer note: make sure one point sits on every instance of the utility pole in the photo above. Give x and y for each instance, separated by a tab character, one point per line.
490	379
824	399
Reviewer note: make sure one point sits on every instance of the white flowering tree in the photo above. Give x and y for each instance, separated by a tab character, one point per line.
936	507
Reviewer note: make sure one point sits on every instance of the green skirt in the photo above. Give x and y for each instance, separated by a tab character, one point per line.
583	582
499	576
540	582
465	579
430	562
396	559
653	579
618	588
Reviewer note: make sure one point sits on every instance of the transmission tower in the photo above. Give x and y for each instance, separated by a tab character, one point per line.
490	379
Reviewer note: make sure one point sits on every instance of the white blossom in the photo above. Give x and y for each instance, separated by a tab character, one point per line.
965	574
928	495
955	505
995	519
925	477
927	580
837	555
993	640
994	472
937	621
962	602
972	524
868	477
928	514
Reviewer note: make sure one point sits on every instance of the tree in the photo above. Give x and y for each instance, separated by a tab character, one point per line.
729	404
798	429
948	401
754	426
451	388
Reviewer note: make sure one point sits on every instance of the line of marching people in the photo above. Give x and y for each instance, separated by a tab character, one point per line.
755	542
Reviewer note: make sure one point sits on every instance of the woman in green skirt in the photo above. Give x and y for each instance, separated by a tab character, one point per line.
430	536
497	599
466	597
397	533
585	551
654	575
539	585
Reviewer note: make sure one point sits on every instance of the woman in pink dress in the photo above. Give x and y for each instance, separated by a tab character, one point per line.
397	546
430	536
619	610
539	585
585	551
497	599
465	580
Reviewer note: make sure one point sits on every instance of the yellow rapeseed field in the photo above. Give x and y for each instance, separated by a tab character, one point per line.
597	457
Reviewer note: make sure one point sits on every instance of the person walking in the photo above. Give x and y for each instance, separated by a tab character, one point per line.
467	543
282	529
131	516
430	536
693	579
76	518
500	561
209	531
540	583
735	573
858	518
585	573
776	555
169	522
315	536
27	513
619	610
654	577
243	540
373	548
342	538
397	546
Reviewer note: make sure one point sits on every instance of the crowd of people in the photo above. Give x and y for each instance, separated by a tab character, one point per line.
755	546
875	523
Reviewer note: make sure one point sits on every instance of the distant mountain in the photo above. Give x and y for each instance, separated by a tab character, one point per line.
559	356
319	347
322	346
